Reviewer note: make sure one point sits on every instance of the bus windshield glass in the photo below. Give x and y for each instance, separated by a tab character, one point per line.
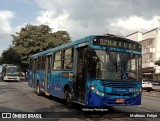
12	70
111	65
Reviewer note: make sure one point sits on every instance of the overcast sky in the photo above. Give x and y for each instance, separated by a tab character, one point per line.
79	17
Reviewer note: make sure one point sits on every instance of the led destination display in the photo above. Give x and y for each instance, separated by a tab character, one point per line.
117	43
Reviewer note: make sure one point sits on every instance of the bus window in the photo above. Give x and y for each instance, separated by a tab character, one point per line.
68	59
57	61
43	62
38	63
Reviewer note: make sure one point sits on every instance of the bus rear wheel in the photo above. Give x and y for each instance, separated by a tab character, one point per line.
39	93
69	100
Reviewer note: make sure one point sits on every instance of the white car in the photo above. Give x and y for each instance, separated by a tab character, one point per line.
146	85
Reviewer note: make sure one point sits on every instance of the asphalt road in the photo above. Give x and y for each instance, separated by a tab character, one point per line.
19	97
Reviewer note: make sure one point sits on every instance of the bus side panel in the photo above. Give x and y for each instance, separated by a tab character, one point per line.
56	87
57	83
34	79
37	77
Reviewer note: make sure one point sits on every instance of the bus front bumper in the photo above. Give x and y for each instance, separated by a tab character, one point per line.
97	100
10	78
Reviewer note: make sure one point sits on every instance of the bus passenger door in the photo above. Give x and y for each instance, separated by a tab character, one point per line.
80	74
47	74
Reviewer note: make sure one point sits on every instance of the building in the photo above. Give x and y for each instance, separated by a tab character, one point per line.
150	41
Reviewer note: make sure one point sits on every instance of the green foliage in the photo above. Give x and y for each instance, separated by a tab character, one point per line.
0	60
157	63
10	56
32	39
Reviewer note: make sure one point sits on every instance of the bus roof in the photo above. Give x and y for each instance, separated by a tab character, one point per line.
82	40
85	39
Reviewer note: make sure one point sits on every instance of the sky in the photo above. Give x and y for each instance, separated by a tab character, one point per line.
79	18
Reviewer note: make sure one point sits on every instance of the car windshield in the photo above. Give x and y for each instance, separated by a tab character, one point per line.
112	65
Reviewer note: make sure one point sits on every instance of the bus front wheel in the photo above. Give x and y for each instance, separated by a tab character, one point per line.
38	90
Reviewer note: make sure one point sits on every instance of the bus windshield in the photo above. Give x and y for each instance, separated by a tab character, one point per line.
110	65
12	70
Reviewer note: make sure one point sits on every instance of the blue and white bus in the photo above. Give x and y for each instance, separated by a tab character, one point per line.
11	72
92	71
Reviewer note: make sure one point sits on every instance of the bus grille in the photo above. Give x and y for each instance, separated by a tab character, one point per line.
121	84
116	94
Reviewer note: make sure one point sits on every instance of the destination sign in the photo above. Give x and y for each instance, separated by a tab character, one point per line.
126	44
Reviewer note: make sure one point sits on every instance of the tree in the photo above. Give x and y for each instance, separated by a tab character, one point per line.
32	39
157	62
0	60
10	56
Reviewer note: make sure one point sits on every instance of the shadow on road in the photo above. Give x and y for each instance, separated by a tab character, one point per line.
60	110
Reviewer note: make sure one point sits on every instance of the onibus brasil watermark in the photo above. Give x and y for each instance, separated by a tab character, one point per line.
21	115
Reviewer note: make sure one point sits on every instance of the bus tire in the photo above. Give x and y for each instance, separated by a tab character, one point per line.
69	99
38	90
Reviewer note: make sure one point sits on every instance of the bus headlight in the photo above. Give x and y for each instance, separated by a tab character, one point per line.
92	88
99	93
102	94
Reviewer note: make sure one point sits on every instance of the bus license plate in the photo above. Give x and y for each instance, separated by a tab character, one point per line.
120	100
